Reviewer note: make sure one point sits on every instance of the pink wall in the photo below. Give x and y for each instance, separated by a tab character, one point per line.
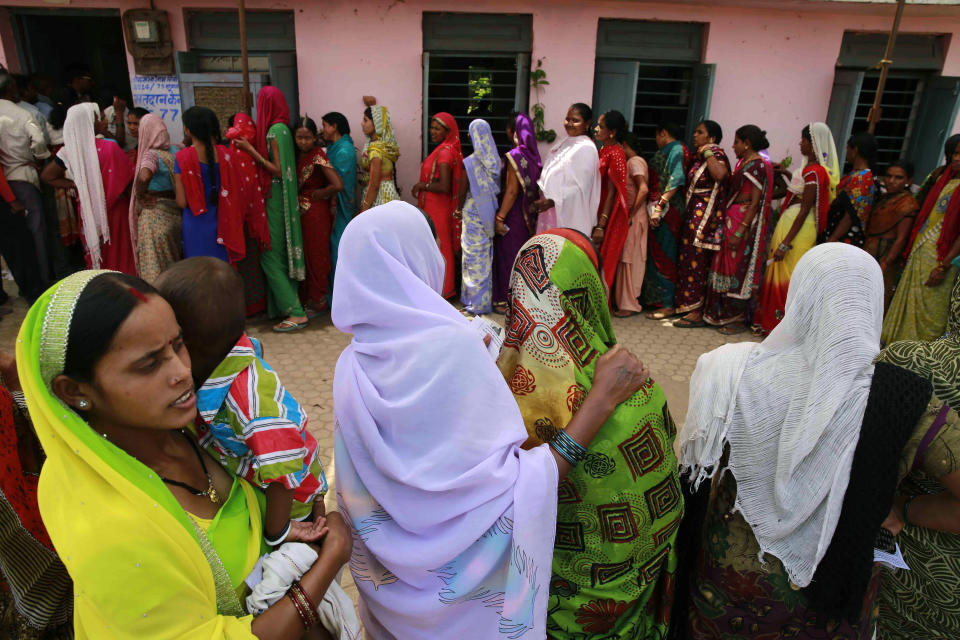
774	65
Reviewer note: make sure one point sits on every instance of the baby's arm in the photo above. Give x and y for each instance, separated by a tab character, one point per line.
279	501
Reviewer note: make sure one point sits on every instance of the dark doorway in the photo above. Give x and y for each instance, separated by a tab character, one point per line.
51	40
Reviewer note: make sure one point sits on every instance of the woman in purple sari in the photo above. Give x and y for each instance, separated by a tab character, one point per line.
516	220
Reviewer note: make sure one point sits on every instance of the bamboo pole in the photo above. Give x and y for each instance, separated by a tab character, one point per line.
875	112
244	62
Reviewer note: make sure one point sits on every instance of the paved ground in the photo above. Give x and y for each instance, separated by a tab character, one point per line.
306	360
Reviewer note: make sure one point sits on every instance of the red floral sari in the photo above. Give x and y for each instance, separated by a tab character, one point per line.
613	171
316	223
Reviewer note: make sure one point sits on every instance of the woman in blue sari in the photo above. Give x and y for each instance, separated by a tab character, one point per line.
478	207
343	157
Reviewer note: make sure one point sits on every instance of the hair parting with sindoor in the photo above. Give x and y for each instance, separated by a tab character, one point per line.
106	301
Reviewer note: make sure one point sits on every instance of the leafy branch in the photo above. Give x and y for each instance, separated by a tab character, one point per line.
538	80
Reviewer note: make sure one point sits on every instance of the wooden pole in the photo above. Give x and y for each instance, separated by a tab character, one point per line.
874	117
244	62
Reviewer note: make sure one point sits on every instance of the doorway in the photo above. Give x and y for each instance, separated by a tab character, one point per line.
49	41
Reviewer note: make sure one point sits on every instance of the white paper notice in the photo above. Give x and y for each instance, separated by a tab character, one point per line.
486	328
892	560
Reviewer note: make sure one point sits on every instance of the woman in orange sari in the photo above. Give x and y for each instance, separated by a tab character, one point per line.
610	232
439	186
890	223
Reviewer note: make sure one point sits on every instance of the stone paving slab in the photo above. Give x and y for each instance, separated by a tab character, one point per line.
305	361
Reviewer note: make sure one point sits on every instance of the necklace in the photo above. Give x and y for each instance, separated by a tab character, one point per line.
211	491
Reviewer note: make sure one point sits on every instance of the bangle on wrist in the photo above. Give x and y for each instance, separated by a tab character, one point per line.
279	538
568	448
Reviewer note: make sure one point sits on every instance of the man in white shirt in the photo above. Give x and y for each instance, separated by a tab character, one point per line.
22	148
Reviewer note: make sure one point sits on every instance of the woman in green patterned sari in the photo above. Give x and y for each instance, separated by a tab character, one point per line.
922	602
619	511
283	263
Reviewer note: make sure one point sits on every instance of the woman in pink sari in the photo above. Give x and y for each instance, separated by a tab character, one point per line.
737	267
101	173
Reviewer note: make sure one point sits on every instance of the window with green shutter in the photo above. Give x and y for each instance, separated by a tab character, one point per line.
918	106
475	65
651	72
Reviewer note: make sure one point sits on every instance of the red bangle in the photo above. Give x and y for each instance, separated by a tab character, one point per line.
299	607
297	589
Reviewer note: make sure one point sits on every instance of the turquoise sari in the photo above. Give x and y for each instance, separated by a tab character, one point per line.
343	157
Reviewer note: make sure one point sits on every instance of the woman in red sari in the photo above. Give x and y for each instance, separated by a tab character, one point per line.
439	186
102	174
701	231
318	182
610	232
738	266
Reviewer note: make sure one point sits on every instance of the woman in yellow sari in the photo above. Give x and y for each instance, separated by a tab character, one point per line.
378	179
157	536
921	303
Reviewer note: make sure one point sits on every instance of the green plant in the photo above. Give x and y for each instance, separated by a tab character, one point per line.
480	89
538	80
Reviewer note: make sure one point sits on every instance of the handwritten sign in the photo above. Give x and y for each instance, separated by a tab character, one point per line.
160	95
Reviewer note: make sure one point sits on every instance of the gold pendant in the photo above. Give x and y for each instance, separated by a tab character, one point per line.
212	494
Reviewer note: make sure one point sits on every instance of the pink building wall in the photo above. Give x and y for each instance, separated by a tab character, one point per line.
775	66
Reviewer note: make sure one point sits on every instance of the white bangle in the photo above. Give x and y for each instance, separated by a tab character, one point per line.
276	542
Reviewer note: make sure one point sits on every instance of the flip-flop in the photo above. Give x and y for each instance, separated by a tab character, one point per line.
626	314
683	323
500	309
731	330
315	313
289	326
660	315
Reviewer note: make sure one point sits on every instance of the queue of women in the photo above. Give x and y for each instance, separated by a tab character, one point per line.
544	490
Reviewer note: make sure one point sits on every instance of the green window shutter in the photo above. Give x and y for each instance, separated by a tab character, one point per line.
843	105
425	138
650	40
701	93
615	87
478	32
935	118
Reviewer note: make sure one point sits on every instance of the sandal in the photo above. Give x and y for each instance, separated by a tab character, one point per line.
683	323
625	314
661	314
500	308
289	326
731	329
758	331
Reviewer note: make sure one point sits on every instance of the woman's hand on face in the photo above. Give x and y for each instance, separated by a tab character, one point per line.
618	375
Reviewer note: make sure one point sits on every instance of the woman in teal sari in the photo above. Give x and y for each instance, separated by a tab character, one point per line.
283	263
343	157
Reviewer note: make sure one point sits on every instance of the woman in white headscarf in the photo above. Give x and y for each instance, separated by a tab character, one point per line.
453	522
570	180
101	173
805	210
807	434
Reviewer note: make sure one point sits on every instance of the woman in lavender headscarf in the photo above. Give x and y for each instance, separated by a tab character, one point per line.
453	522
478	203
517	219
